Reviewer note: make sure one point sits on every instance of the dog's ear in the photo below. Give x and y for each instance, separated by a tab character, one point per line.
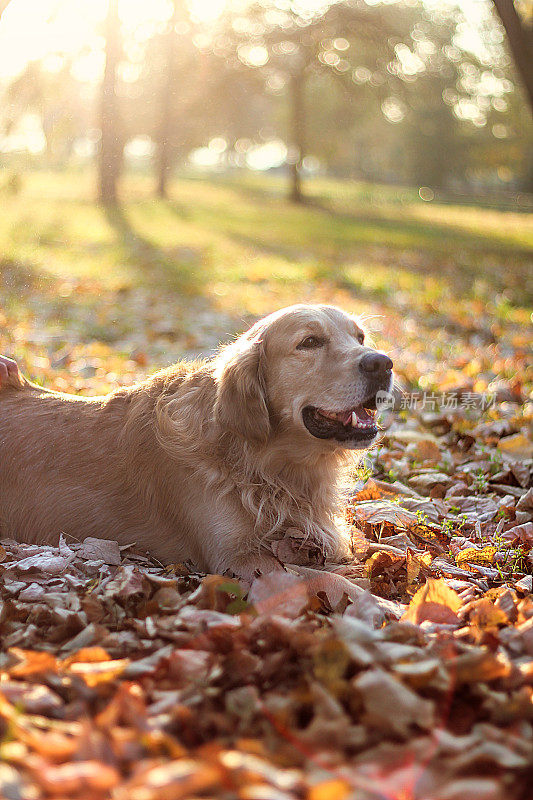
240	404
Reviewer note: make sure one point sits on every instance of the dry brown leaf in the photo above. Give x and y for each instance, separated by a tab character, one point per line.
391	706
106	550
376	512
31	698
279	593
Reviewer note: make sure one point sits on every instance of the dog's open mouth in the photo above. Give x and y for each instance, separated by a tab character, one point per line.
352	425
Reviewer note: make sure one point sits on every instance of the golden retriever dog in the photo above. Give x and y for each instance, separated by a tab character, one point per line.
208	461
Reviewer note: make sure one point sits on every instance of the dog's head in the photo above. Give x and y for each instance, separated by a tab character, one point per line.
306	370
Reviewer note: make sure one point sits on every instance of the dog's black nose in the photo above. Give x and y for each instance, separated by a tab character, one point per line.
376	363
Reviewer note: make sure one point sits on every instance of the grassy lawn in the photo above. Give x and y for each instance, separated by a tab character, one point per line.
134	288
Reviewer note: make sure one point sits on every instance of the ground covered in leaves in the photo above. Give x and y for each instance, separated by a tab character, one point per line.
125	679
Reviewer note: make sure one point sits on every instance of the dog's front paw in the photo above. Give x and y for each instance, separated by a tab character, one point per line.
10	374
247	569
352	570
297	548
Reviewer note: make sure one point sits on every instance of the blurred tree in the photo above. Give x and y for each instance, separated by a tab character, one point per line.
57	99
353	71
170	85
290	44
519	30
187	94
167	100
111	139
385	92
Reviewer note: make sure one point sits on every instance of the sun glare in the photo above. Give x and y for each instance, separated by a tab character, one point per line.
33	29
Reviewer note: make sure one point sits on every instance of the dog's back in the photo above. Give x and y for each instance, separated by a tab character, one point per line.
52	451
94	467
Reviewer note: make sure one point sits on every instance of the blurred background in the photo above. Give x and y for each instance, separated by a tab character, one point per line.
171	170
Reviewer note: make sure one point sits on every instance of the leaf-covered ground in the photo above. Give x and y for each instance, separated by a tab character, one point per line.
124	679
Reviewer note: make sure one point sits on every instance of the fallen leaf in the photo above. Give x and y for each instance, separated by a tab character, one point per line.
71	779
330	790
517	446
473	555
391	706
435	602
279	593
106	550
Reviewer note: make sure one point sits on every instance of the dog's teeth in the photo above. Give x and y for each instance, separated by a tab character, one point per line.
354	419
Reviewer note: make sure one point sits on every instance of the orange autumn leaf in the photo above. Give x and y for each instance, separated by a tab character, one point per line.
30	662
70	779
371	491
485	614
87	655
434	601
94	673
330	790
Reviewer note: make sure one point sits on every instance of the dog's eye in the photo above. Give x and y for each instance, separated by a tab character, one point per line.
361	338
310	343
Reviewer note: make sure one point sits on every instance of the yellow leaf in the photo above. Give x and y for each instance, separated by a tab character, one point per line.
517	445
474	556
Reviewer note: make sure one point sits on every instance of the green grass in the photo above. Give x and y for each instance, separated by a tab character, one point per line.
153	280
245	240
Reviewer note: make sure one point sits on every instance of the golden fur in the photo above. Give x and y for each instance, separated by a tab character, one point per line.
204	461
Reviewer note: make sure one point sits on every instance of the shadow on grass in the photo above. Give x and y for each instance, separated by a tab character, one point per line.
178	269
403	232
447	251
429	233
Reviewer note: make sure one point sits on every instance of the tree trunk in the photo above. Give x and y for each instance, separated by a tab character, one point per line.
110	156
164	132
297	87
520	38
3	5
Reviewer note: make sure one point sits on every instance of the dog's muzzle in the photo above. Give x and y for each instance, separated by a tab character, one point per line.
355	427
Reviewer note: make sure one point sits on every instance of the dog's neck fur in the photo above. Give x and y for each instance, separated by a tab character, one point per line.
280	494
278	491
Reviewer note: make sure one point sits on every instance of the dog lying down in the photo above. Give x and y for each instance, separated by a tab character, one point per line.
211	461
